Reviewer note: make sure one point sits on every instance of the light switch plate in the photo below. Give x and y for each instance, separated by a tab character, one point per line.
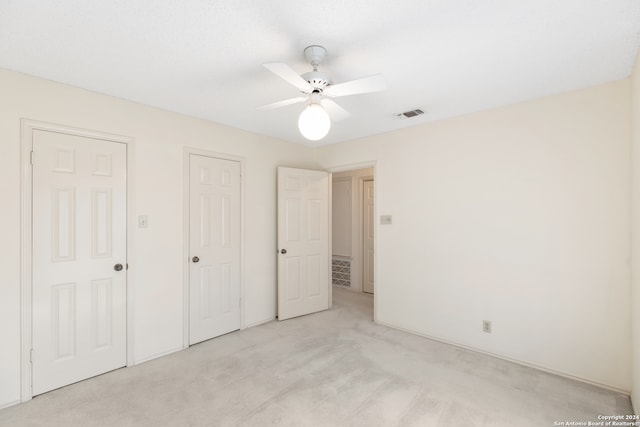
385	219
142	221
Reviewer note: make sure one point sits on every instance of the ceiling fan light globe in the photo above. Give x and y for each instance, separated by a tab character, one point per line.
314	122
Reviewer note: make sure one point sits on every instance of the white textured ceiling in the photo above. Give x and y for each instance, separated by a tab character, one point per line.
203	57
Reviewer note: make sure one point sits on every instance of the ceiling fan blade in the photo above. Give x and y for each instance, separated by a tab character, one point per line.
286	73
283	103
373	83
336	112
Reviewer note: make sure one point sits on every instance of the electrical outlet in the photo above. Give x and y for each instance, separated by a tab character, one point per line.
486	326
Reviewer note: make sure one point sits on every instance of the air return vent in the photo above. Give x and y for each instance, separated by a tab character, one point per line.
341	271
409	114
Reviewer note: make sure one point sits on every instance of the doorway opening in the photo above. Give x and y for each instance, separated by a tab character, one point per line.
353	231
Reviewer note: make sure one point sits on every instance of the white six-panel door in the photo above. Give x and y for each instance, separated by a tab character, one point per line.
368	226
79	242
214	247
303	242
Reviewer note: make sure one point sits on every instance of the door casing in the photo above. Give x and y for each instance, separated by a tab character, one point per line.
363	229
26	262
187	151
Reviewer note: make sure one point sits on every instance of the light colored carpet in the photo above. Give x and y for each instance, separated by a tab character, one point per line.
334	368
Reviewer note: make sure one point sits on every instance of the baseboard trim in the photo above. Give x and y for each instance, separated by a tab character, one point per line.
261	322
13	403
157	355
509	359
174	350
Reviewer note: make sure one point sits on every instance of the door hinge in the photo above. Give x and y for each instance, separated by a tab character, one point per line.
31	356
31	157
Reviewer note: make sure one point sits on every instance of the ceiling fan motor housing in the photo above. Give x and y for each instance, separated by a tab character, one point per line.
317	79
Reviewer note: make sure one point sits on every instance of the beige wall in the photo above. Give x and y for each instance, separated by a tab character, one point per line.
518	215
159	140
635	244
341	216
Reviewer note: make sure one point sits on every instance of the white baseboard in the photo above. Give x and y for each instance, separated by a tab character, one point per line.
13	403
261	322
509	359
157	355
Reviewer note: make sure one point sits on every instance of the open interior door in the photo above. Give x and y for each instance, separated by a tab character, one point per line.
303	242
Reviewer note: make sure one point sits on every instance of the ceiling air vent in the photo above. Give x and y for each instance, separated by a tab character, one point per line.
409	114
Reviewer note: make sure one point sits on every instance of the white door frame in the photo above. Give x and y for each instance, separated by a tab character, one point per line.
361	213
187	152
26	261
374	176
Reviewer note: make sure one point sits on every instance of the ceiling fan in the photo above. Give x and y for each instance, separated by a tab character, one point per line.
317	89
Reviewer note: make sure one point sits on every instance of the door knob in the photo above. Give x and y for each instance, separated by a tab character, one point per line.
195	259
283	251
117	267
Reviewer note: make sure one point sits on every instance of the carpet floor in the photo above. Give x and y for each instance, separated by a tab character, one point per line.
334	368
